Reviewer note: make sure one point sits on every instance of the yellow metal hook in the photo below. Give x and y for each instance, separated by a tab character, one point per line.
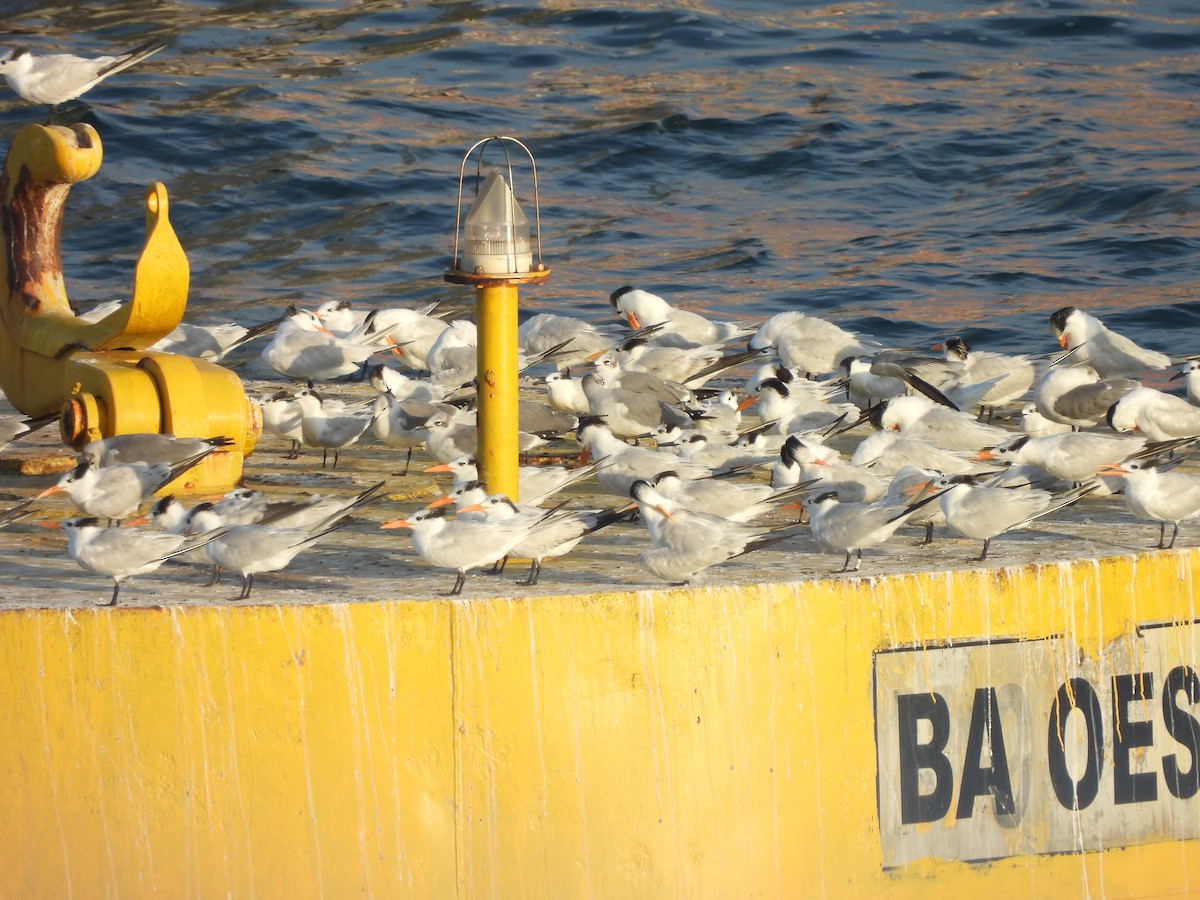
99	374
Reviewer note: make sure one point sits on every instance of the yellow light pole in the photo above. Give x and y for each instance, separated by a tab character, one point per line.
496	258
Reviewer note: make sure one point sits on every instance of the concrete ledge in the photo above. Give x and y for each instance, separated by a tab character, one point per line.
738	740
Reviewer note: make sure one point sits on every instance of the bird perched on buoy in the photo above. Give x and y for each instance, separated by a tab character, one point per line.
59	77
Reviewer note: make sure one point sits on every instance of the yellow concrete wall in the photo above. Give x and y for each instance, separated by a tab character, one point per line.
677	743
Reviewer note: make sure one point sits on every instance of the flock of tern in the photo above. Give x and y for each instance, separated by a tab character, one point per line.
713	440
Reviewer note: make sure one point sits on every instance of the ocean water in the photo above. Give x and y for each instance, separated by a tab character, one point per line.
911	170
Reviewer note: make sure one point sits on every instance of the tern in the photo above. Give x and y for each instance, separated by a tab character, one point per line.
628	413
328	426
116	492
1158	415
1155	494
535	484
1074	456
460	544
948	428
282	417
852	527
679	327
621	465
268	547
119	553
1190	373
211	342
303	348
570	341
809	344
58	77
1109	353
13	427
1016	373
685	542
148	448
1077	396
983	511
401	423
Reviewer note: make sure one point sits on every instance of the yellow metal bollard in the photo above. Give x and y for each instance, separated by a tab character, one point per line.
99	374
496	259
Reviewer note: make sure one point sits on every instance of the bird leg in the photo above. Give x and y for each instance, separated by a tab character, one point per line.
498	566
983	555
294	453
1174	534
928	534
247	584
1162	536
407	461
459	580
215	577
112	601
535	570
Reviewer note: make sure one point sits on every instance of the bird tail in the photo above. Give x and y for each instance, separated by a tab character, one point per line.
134	56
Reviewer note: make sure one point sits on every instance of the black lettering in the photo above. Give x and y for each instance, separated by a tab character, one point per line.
994	780
1075	694
915	756
1131	787
1184	729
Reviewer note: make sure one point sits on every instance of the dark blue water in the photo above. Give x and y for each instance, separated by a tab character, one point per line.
946	167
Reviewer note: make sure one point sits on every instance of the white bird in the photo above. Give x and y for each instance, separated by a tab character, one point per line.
328	426
116	492
404	387
1016	373
211	342
148	448
1074	456
401	423
1190	373
564	392
13	427
731	500
1109	353
410	333
535	484
1076	395
798	406
1156	414
887	452
652	385
982	511
119	553
628	414
282	417
58	77
851	528
679	327
552	533
303	348
450	433
460	544
685	542
809	344
1034	424
621	464
253	549
452	360
1155	494
912	483
948	428
569	340
807	460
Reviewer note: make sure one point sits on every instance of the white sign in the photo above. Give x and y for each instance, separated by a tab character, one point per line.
1011	747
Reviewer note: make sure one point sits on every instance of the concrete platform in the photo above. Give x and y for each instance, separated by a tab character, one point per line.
930	726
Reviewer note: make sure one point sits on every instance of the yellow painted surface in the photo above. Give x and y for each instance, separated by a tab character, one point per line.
673	743
498	454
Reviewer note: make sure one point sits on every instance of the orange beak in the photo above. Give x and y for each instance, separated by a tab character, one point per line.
984	454
46	523
474	507
1113	469
397	523
444	467
748	402
584	457
664	512
1062	341
440	501
48	491
632	319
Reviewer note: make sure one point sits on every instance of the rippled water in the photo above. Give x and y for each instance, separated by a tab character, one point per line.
910	169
